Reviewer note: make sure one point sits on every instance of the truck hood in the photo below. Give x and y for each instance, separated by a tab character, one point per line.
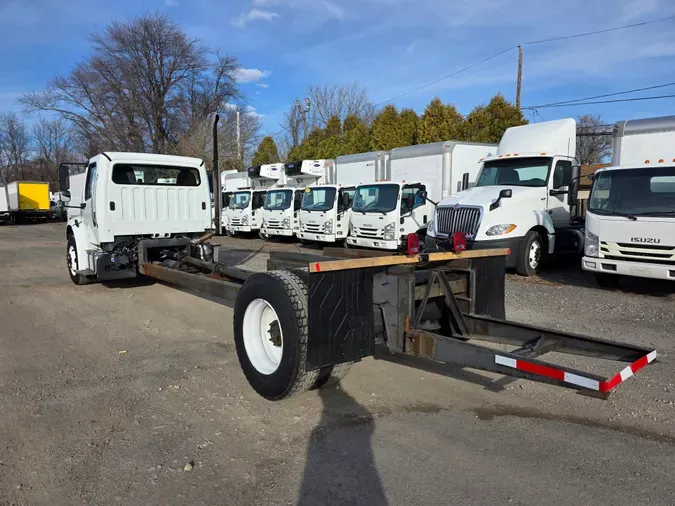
483	196
646	231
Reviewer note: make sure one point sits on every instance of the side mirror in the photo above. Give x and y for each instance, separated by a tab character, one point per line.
64	177
65	196
345	200
423	194
506	193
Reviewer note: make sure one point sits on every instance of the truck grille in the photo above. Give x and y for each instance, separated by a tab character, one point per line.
369	233
236	221
312	227
273	224
458	219
647	253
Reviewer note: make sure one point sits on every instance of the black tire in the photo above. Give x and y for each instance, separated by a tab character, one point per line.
230	233
331	376
78	279
264	237
608	280
526	264
287	294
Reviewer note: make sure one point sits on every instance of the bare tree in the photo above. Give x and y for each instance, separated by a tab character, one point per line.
145	85
594	145
53	145
340	101
14	147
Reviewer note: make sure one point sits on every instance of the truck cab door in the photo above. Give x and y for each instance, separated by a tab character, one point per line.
89	219
559	184
421	211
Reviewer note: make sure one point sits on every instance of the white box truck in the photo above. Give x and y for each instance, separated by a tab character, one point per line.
630	218
4	205
325	208
246	197
385	212
522	199
282	203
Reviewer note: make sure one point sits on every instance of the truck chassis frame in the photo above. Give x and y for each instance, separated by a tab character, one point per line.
446	308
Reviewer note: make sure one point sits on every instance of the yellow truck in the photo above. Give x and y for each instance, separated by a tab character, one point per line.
28	200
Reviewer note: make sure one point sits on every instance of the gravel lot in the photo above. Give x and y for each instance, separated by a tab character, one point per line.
132	394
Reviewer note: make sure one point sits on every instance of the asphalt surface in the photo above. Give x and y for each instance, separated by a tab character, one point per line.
132	394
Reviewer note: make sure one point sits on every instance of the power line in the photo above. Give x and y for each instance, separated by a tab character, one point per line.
636	99
596	32
635	90
542	41
448	76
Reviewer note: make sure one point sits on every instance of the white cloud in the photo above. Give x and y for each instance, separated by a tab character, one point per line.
171	3
250	75
327	6
263	85
253	15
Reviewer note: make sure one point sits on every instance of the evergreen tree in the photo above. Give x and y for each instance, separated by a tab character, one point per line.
266	153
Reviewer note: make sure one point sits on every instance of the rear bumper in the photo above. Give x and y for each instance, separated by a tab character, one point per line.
620	267
373	243
512	243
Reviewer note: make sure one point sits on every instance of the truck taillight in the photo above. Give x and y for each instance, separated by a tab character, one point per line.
413	244
459	242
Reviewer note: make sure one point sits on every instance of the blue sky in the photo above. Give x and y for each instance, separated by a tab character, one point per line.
389	46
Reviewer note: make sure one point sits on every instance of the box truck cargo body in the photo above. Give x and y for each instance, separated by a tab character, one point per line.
28	199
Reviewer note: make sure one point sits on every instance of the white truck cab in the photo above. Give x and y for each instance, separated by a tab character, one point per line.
126	198
245	203
4	205
522	199
630	218
385	212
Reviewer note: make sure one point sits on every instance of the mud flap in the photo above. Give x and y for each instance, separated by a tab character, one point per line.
341	323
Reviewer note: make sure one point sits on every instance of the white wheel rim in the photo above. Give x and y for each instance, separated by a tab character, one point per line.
264	344
534	254
72	260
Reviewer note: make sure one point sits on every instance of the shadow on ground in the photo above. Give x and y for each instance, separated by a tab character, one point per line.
340	466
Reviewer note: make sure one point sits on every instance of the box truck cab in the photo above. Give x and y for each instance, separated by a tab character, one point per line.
323	216
281	212
245	204
384	213
522	199
630	218
4	205
126	198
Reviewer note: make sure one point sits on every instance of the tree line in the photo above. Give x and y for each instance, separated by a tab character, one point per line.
342	121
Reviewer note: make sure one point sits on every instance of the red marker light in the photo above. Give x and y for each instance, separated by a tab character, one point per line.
413	244
459	242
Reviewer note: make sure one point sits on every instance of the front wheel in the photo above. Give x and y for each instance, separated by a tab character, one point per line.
530	255
73	265
263	236
270	335
607	280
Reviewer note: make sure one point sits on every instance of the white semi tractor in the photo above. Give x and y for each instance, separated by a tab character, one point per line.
402	202
245	204
630	218
523	199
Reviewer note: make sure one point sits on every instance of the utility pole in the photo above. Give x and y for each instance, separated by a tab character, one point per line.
217	191
520	75
304	113
239	150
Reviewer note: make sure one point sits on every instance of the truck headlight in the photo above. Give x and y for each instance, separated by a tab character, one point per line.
431	230
352	230
244	220
389	232
328	227
286	223
591	244
501	229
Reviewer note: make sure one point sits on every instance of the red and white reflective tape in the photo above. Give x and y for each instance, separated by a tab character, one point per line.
575	379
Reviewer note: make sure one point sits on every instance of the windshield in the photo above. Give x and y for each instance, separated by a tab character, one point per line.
239	200
376	198
646	191
318	199
515	172
278	199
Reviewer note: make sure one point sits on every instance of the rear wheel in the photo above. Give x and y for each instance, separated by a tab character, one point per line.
270	335
608	280
530	255
73	264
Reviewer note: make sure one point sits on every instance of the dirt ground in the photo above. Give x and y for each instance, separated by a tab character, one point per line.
132	394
